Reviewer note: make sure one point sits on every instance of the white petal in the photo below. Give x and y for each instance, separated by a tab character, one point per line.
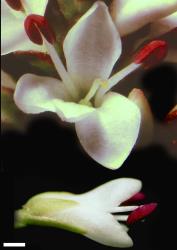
92	46
7	81
35	94
109	134
98	225
112	193
130	15
146	130
36	8
163	25
104	229
12	32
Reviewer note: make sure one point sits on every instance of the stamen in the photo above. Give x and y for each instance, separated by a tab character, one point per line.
123	209
40	55
39	31
121	217
7	90
95	86
61	70
172	115
152	53
137	197
121	75
35	25
141	212
15	4
111	82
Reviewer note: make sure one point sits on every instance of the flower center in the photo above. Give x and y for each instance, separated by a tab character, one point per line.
15	4
97	84
40	32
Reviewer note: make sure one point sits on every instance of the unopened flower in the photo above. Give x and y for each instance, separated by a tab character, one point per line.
166	132
107	123
13	14
96	214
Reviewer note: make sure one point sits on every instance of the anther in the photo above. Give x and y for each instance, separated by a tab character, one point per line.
36	26
15	4
151	54
141	212
39	55
172	115
137	197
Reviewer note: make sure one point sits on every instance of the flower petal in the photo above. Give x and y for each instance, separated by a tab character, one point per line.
51	210
35	94
109	134
96	225
163	25
34	8
92	46
130	15
112	193
12	32
104	229
147	129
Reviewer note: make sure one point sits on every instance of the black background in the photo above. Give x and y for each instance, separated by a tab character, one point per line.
48	157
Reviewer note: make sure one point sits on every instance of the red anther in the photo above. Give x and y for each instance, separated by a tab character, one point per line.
137	197
7	90
40	55
15	4
35	25
141	212
152	53
171	116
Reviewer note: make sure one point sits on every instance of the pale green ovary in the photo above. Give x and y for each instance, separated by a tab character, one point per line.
40	210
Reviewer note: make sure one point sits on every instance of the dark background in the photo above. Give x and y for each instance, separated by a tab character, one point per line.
48	157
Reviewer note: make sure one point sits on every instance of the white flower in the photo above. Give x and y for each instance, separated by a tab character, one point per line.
160	16
95	214
107	123
131	15
13	14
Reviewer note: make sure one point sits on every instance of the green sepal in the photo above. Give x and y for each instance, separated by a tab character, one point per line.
11	116
72	8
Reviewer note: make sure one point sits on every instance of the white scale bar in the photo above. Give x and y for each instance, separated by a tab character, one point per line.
13	244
